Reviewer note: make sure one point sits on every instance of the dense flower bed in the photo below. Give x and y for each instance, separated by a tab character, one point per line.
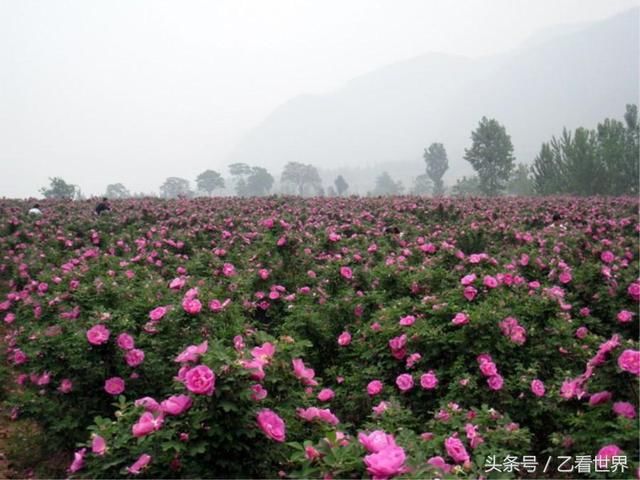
325	337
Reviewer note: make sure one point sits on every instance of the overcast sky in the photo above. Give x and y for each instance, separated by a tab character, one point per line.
133	91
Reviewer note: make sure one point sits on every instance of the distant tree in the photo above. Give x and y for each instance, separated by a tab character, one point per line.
437	164
385	185
341	185
467	187
586	172
422	185
619	149
331	192
491	156
174	187
58	188
548	167
117	190
209	180
239	172
520	182
259	182
604	161
301	176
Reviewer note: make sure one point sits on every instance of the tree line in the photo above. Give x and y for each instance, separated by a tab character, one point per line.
602	161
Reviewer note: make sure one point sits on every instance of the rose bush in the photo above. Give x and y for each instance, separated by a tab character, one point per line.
322	337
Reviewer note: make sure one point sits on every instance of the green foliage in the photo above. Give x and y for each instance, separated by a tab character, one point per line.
604	161
59	189
437	164
491	156
209	180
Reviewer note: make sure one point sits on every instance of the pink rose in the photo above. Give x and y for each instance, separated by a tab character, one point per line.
374	387
537	387
134	357
489	281
376	441
386	463
404	382
634	291
582	332
176	404
344	339
470	292
272	425
98	334
488	368
192	306
600	397
460	319
455	449
65	385
258	392
346	272
78	461
98	445
629	361
148	404
139	464
192	353
303	373
607	256
147	424
157	313
439	463
428	380
624	409
625	316
608	451
326	394
200	380
125	341
495	382
407	321
114	386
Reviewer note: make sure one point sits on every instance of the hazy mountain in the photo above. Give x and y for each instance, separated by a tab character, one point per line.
567	76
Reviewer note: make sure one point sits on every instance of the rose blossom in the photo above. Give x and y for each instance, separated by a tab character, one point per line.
629	361
272	425
385	463
134	357
404	382
344	339
114	386
139	464
537	387
374	387
376	441
455	449
98	334
428	380
200	380
176	404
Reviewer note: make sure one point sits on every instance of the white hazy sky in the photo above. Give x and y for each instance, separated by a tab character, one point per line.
133	91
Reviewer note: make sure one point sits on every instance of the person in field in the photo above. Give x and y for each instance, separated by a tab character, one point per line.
35	210
103	206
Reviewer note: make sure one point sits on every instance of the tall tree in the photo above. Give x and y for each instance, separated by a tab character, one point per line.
209	180
174	187
491	156
341	185
385	185
437	164
466	186
423	186
301	176
58	188
117	190
520	182
259	182
239	172
632	151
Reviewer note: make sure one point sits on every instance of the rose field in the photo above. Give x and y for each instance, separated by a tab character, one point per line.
284	337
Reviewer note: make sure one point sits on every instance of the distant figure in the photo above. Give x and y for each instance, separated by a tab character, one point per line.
35	210
103	206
